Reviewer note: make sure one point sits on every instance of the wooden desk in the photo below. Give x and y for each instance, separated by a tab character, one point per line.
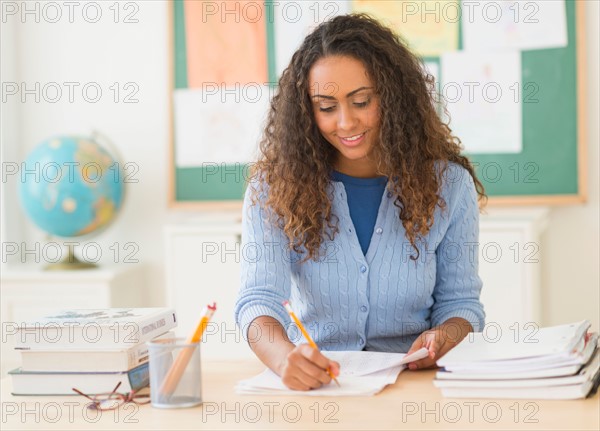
412	403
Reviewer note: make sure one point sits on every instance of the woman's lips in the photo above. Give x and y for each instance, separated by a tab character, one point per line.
356	140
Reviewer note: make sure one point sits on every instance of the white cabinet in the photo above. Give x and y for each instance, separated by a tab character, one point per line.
28	292
203	265
510	265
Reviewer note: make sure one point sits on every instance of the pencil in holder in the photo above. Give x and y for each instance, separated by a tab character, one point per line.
175	373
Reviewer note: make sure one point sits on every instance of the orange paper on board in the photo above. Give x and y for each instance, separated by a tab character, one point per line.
225	43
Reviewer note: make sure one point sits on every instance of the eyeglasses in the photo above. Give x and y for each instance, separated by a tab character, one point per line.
113	400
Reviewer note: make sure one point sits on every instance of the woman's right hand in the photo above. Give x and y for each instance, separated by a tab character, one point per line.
305	368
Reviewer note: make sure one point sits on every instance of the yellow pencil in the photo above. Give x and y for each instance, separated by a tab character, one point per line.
183	358
288	307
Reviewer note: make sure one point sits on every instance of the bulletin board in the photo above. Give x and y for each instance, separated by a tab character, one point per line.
551	168
548	169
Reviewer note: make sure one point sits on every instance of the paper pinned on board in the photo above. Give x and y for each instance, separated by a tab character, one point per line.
216	44
294	20
483	92
522	25
429	27
219	125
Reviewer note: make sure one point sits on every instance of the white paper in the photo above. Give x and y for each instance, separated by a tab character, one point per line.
269	383
584	375
361	373
575	385
483	92
415	356
295	19
514	24
554	342
362	363
531	374
219	125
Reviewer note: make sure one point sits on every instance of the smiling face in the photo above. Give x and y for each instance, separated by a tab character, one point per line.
346	111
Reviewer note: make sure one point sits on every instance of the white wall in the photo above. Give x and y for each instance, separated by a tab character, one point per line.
106	52
9	130
571	244
103	52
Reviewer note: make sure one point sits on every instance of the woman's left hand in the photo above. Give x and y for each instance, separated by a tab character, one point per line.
439	340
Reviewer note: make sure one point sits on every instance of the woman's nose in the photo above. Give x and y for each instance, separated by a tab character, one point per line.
346	119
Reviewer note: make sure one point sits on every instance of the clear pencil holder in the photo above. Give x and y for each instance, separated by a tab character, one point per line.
175	374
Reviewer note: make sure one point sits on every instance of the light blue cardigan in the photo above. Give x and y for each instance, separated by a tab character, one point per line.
381	301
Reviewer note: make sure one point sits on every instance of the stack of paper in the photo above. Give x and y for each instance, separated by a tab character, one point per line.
559	362
361	373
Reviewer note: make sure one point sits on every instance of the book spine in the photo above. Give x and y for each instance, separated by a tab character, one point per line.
139	377
158	325
137	355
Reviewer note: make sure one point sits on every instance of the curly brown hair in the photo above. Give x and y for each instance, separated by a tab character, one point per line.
296	160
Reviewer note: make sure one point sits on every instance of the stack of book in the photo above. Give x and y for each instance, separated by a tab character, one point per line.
88	349
559	362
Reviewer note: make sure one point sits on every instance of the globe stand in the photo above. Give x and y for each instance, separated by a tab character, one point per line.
70	262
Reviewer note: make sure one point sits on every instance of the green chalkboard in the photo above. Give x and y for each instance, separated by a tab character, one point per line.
548	170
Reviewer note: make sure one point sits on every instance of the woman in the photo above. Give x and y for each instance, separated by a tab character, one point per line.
361	212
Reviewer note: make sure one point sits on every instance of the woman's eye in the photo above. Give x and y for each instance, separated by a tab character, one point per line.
362	104
326	109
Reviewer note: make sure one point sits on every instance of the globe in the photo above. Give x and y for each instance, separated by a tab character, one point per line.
71	186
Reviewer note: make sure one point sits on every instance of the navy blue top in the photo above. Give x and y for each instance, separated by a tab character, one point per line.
364	197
